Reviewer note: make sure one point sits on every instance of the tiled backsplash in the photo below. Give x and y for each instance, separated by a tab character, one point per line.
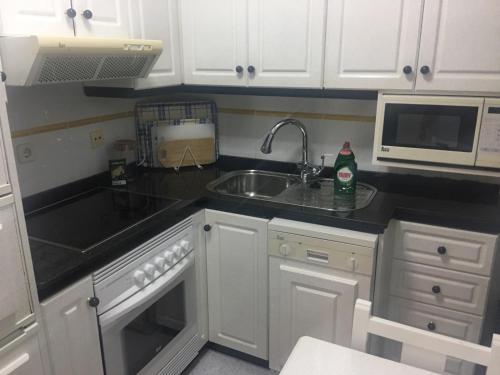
63	155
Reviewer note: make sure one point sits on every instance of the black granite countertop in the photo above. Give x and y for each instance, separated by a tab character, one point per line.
438	201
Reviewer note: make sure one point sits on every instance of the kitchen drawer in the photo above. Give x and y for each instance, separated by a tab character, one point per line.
451	323
22	356
441	287
15	307
447	322
445	247
5	187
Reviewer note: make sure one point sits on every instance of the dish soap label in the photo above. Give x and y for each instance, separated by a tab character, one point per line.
346	170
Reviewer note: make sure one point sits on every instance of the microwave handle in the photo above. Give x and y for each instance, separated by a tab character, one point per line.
148	293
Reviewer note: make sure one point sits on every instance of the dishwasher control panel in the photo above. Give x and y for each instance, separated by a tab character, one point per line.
324	252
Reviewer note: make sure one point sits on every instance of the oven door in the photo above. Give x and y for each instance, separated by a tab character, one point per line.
142	334
428	129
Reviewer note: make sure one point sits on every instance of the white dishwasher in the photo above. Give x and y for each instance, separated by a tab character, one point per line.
315	275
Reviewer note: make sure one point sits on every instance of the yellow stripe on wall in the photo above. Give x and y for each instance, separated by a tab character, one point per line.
307	115
234	111
71	124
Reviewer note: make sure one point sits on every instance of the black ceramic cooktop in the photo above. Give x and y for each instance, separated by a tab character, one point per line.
84	221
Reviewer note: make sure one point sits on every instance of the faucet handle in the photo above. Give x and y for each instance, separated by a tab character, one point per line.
323	157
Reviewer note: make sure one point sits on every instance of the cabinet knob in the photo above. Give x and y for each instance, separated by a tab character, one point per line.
431	326
441	250
87	13
71	13
251	69
436	289
425	69
407	69
207	227
239	69
3	76
93	301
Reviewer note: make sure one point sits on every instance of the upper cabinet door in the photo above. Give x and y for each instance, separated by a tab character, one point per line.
42	17
372	44
159	20
97	18
214	41
460	46
286	43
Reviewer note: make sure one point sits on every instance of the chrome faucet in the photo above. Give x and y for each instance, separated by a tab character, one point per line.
306	171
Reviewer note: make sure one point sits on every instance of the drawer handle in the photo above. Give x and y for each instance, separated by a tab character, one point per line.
441	250
436	289
431	326
15	364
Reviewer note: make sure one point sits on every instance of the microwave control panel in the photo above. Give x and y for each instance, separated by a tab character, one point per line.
488	149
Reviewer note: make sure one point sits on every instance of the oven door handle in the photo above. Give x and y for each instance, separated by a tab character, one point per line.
148	293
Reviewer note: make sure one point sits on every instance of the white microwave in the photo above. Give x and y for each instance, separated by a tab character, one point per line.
437	130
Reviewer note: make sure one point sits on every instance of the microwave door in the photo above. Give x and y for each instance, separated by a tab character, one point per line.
488	150
432	132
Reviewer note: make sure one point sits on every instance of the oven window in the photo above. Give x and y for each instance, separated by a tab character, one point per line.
436	127
154	329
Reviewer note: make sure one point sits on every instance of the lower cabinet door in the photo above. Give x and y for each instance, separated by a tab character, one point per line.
72	334
443	321
237	281
307	302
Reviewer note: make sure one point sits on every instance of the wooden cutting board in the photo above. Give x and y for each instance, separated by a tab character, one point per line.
170	152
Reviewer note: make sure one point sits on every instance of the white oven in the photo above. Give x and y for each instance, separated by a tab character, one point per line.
148	314
438	130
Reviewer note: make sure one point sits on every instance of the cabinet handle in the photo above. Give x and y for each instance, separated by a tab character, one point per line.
207	228
239	69
3	76
407	69
436	289
431	326
87	13
251	69
441	250
425	69
93	301
71	13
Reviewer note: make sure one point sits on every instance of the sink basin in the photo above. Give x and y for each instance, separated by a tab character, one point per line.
288	189
253	184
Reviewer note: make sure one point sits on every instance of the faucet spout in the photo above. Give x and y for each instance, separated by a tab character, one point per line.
306	170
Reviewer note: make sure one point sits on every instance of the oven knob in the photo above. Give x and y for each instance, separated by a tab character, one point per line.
169	257
149	269
139	276
185	246
177	251
159	263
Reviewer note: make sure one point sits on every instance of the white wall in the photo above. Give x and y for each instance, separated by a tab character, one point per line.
242	135
65	155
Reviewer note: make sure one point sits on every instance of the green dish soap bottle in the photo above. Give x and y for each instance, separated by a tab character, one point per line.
345	172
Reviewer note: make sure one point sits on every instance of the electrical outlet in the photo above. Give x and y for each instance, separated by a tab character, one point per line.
25	153
96	138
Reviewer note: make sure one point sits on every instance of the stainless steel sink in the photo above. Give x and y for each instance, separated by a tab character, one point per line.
289	189
253	184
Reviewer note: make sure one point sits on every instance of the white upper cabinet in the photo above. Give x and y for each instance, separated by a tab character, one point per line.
372	44
460	46
274	43
286	43
167	70
43	17
110	18
214	40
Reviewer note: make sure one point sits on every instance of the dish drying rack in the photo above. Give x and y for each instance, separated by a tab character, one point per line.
178	133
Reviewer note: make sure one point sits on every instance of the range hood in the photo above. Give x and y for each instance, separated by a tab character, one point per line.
37	60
